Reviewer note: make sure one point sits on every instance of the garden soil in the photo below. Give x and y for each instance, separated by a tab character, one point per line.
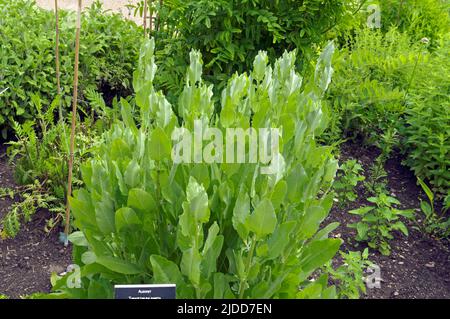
28	260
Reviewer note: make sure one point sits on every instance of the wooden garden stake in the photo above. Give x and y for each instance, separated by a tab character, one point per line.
58	81
151	19
145	18
74	114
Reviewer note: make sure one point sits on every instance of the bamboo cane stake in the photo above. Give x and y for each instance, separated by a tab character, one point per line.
74	113
58	80
151	18
145	18
158	27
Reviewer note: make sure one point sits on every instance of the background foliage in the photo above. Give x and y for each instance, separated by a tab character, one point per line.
229	34
109	51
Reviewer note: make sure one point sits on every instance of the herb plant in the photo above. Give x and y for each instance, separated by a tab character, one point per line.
350	273
32	197
348	177
216	230
433	223
229	34
379	221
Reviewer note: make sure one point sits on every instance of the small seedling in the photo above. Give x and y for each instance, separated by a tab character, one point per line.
348	177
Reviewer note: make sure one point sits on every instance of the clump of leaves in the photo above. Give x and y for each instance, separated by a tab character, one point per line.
350	273
110	47
433	223
32	197
348	177
427	133
379	221
40	150
229	34
217	230
367	95
419	18
376	181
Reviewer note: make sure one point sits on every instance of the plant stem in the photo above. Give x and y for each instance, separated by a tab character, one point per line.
74	114
412	75
249	262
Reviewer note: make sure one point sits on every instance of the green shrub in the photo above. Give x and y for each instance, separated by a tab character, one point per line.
230	33
419	18
216	230
109	51
427	132
372	75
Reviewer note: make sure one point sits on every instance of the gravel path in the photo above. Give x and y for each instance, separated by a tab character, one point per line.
115	5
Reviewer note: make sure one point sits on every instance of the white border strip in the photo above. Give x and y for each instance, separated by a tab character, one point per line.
145	286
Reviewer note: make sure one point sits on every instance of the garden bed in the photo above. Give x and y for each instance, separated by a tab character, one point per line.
418	267
27	261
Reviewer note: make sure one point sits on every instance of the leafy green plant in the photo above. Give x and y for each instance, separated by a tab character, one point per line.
32	197
419	18
379	221
427	130
39	157
348	177
350	273
230	33
432	223
109	51
40	150
376	181
367	95
217	230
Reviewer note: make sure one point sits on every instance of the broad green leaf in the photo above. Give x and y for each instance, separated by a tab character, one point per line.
222	288
317	253
127	115
240	213
160	145
77	238
133	174
118	265
104	215
263	220
280	239
197	201
88	258
324	232
165	271
141	200
310	221
190	265
126	217
361	211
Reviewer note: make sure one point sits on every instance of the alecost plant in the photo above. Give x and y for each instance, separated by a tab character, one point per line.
215	230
